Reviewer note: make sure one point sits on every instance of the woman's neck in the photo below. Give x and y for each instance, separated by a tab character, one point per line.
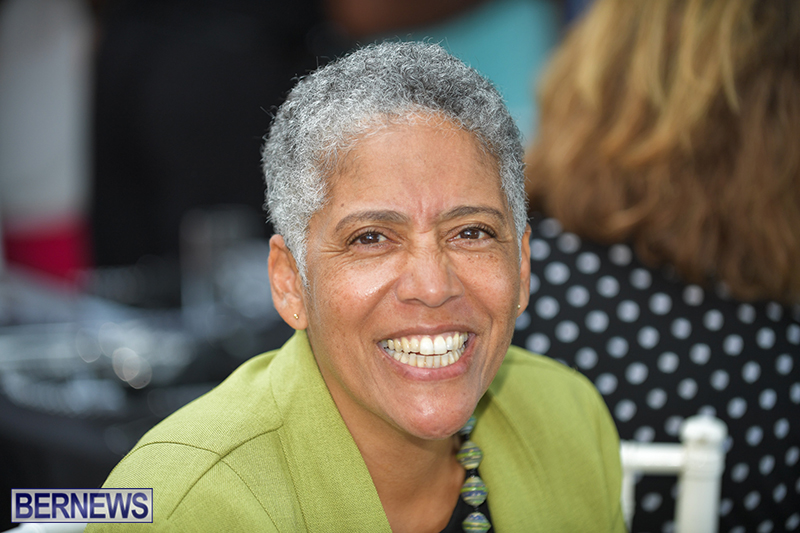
418	480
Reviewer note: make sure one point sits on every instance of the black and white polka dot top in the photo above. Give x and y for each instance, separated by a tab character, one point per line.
659	351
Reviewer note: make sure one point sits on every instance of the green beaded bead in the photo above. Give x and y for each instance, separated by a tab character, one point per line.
469	455
473	491
468	427
476	523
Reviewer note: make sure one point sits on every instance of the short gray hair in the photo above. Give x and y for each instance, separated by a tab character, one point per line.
330	109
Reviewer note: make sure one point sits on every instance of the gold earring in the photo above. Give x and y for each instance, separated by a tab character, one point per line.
296	317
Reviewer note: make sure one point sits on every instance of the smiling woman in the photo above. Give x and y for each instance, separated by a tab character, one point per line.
431	252
394	181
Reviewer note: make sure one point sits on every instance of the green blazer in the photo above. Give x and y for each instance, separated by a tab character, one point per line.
267	450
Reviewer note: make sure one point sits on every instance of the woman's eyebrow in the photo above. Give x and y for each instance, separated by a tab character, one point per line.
469	210
395	217
387	215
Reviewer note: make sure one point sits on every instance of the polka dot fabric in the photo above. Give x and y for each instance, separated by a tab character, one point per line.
659	351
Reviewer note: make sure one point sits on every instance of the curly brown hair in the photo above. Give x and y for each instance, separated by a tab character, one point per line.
675	125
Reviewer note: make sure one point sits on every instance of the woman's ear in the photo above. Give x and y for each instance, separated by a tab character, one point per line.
286	284
524	270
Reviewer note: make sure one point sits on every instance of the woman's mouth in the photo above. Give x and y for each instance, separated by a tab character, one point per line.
425	351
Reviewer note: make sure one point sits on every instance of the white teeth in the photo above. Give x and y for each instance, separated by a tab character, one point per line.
426	352
426	346
439	345
414	345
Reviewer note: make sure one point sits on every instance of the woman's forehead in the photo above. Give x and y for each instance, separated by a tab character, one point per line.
418	120
420	168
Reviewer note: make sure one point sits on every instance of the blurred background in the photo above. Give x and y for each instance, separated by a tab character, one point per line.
133	259
133	272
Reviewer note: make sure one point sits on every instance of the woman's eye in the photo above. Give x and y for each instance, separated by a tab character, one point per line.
472	233
369	238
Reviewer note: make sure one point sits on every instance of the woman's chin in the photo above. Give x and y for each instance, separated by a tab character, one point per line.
436	425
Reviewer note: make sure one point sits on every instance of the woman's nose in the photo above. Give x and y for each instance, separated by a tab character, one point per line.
429	278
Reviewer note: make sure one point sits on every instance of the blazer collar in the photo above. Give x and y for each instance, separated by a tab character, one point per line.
333	485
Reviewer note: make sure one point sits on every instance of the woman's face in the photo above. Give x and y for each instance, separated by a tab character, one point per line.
414	280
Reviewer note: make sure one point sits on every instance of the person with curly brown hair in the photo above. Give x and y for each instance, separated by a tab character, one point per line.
665	191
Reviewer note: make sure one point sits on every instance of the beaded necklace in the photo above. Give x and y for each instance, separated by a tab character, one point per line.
473	491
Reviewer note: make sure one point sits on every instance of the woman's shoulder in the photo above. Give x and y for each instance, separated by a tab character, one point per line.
213	425
231	413
185	478
206	452
532	392
548	438
525	376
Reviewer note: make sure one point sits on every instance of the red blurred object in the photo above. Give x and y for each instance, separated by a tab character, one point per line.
59	250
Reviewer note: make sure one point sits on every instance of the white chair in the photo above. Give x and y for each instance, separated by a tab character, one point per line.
698	462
